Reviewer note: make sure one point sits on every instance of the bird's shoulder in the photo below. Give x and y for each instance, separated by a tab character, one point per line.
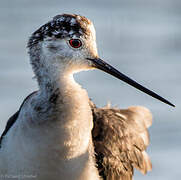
120	138
13	118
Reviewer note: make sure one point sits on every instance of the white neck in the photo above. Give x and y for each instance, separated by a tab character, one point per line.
75	122
72	109
60	129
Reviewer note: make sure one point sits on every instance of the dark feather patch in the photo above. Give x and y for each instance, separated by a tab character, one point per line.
61	26
118	142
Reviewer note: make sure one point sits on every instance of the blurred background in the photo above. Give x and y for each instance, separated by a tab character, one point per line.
140	38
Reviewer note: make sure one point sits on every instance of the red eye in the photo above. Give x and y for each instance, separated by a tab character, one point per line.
75	43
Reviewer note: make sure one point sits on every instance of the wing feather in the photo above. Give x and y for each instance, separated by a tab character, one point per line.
120	137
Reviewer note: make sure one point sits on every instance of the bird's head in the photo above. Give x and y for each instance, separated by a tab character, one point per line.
66	41
67	44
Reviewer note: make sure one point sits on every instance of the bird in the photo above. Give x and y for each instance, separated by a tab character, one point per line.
58	133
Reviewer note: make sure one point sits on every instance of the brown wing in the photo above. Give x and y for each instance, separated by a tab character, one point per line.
120	138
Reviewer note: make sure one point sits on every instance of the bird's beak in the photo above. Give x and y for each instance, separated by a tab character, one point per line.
102	65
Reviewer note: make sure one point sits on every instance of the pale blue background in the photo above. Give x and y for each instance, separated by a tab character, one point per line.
140	38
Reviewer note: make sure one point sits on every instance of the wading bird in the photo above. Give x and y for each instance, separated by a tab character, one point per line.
58	133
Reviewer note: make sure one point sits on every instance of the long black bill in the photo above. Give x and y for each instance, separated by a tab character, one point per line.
100	64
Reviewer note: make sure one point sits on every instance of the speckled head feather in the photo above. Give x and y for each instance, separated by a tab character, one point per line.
61	26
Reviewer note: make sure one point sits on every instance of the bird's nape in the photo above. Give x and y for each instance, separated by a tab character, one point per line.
102	65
